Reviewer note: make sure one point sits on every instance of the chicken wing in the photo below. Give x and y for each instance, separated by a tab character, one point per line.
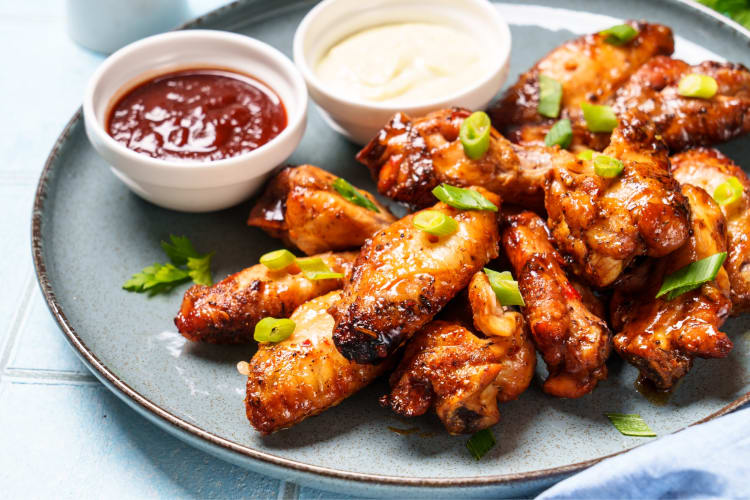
601	224
409	157
463	375
303	375
686	121
707	168
226	313
574	342
660	336
589	70
404	276
301	207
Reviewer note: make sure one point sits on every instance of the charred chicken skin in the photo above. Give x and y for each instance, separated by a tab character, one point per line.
227	312
661	337
589	70
303	375
686	121
301	207
574	342
404	276
461	374
707	169
601	224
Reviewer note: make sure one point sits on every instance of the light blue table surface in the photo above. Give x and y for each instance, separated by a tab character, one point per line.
62	434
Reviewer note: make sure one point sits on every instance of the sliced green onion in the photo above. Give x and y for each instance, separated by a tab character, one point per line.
606	166
352	194
586	155
435	222
630	424
728	191
560	134
506	290
599	118
315	269
475	134
480	443
464	199
273	330
278	259
619	34
695	85
691	276
550	95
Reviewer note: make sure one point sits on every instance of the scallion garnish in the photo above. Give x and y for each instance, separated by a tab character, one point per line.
550	96
464	199
728	191
480	443
586	154
352	194
608	167
560	134
315	269
630	424
695	85
691	276
505	288
475	134
435	222
619	34
273	330
599	118
278	259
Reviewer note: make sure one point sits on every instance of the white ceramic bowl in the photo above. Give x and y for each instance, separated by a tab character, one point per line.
333	20
194	186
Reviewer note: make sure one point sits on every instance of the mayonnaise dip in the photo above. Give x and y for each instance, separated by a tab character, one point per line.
405	63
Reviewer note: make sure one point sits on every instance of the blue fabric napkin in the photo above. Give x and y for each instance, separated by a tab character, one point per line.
710	460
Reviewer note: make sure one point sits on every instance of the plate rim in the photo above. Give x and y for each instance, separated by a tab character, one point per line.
215	443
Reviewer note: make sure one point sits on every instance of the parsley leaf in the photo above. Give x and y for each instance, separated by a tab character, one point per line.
200	269
180	250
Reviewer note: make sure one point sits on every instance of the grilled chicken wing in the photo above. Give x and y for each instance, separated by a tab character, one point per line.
301	207
404	276
600	224
686	121
660	336
461	374
589	70
226	313
574	342
409	157
303	375
707	168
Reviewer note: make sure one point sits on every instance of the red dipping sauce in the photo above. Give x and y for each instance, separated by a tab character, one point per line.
197	114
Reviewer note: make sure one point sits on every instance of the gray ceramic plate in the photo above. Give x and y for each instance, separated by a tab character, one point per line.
90	233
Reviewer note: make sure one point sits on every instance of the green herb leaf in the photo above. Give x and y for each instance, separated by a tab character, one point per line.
200	269
352	194
550	96
691	276
155	279
630	424
480	443
464	199
560	134
179	250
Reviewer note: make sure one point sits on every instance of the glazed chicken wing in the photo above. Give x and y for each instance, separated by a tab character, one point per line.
404	276
707	168
687	121
574	342
301	207
661	336
409	157
303	375
589	70
601	224
226	313
461	374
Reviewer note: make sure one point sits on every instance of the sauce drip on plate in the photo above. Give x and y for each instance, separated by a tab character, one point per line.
198	115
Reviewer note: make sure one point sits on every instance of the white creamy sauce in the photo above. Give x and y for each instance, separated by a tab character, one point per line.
403	63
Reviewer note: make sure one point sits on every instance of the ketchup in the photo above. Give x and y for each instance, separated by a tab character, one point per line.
197	115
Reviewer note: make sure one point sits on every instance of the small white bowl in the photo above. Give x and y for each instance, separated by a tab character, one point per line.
192	186
333	20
